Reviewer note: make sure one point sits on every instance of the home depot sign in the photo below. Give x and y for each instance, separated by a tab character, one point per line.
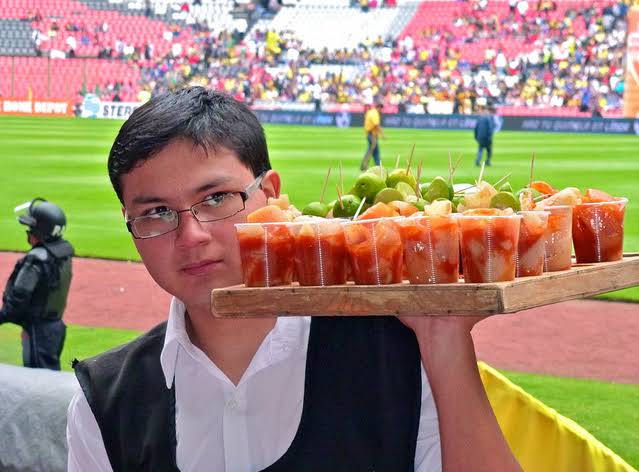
11	106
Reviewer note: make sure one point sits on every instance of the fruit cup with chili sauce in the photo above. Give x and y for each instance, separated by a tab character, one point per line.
431	248
532	242
268	252
558	247
489	239
597	227
375	250
320	251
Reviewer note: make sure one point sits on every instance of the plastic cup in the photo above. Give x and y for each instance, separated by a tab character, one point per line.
489	247
532	242
267	251
597	231
431	249
320	252
558	247
375	251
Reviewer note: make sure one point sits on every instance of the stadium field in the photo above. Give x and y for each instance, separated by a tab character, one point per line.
64	160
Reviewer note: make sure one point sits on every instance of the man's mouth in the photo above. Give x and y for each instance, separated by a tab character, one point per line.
201	267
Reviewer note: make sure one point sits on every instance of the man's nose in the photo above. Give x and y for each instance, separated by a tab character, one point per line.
190	231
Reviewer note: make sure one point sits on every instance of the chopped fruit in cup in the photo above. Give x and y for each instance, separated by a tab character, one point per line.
379	210
267	251
375	251
320	252
489	239
267	214
558	247
431	249
543	187
532	239
568	196
282	201
403	208
439	207
597	229
593	195
477	197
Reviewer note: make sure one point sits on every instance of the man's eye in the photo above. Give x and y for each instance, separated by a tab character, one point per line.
216	199
159	212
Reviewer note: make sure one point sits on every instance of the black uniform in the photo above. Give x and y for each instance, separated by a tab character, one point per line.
35	298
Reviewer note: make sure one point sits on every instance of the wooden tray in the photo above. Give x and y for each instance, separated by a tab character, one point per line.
583	280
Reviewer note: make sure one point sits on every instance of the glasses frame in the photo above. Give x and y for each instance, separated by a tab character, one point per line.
245	195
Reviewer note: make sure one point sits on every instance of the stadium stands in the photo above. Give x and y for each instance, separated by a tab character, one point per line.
561	57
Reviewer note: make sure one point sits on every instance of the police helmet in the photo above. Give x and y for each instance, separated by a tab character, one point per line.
45	220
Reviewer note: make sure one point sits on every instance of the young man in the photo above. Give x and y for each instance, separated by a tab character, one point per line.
374	131
483	132
36	294
200	393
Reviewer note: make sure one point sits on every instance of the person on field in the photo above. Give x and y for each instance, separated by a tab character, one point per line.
484	130
202	393
374	131
36	294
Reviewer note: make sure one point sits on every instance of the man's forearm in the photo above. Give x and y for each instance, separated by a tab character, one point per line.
470	435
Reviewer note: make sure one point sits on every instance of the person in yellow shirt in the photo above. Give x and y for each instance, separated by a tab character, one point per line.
373	130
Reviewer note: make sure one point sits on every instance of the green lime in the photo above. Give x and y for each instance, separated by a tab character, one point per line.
368	185
378	170
456	201
388	195
400	175
504	200
505	187
350	204
420	204
316	209
438	188
405	189
535	193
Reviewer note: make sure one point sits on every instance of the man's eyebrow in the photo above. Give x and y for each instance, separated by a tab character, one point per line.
211	184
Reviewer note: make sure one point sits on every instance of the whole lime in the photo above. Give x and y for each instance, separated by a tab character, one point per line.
348	206
368	185
316	209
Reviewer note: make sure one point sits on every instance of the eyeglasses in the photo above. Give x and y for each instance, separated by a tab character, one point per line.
215	207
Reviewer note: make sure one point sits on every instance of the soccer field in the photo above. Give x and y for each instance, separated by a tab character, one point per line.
64	160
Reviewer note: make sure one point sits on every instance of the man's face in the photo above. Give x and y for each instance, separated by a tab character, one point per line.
196	257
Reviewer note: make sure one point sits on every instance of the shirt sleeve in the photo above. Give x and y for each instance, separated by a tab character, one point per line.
86	448
428	456
17	299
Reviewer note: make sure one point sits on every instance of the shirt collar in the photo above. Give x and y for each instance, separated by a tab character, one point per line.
288	337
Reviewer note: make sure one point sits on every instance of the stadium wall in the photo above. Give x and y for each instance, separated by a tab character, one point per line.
93	108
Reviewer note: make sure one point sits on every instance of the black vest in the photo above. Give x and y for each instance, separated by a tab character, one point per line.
362	400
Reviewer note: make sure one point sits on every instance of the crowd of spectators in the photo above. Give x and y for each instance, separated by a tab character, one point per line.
563	68
572	61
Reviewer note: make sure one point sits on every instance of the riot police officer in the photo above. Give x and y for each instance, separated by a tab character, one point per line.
36	294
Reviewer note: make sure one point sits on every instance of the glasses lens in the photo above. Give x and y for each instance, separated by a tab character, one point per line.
155	225
219	207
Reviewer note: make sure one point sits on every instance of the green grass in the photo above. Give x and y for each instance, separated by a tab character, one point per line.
64	160
610	412
81	342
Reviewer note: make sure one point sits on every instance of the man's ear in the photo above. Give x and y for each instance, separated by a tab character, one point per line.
271	184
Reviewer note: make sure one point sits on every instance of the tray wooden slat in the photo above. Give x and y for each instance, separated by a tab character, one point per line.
406	299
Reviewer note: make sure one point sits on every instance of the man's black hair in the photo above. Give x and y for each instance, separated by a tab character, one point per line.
206	117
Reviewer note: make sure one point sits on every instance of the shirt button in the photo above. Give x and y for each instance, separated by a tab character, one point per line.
233	404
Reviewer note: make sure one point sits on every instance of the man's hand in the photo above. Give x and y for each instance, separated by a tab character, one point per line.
464	412
441	336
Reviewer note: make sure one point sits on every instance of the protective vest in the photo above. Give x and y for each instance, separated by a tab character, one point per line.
48	297
362	400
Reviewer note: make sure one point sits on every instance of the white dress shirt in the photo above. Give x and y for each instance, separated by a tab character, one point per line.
224	427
